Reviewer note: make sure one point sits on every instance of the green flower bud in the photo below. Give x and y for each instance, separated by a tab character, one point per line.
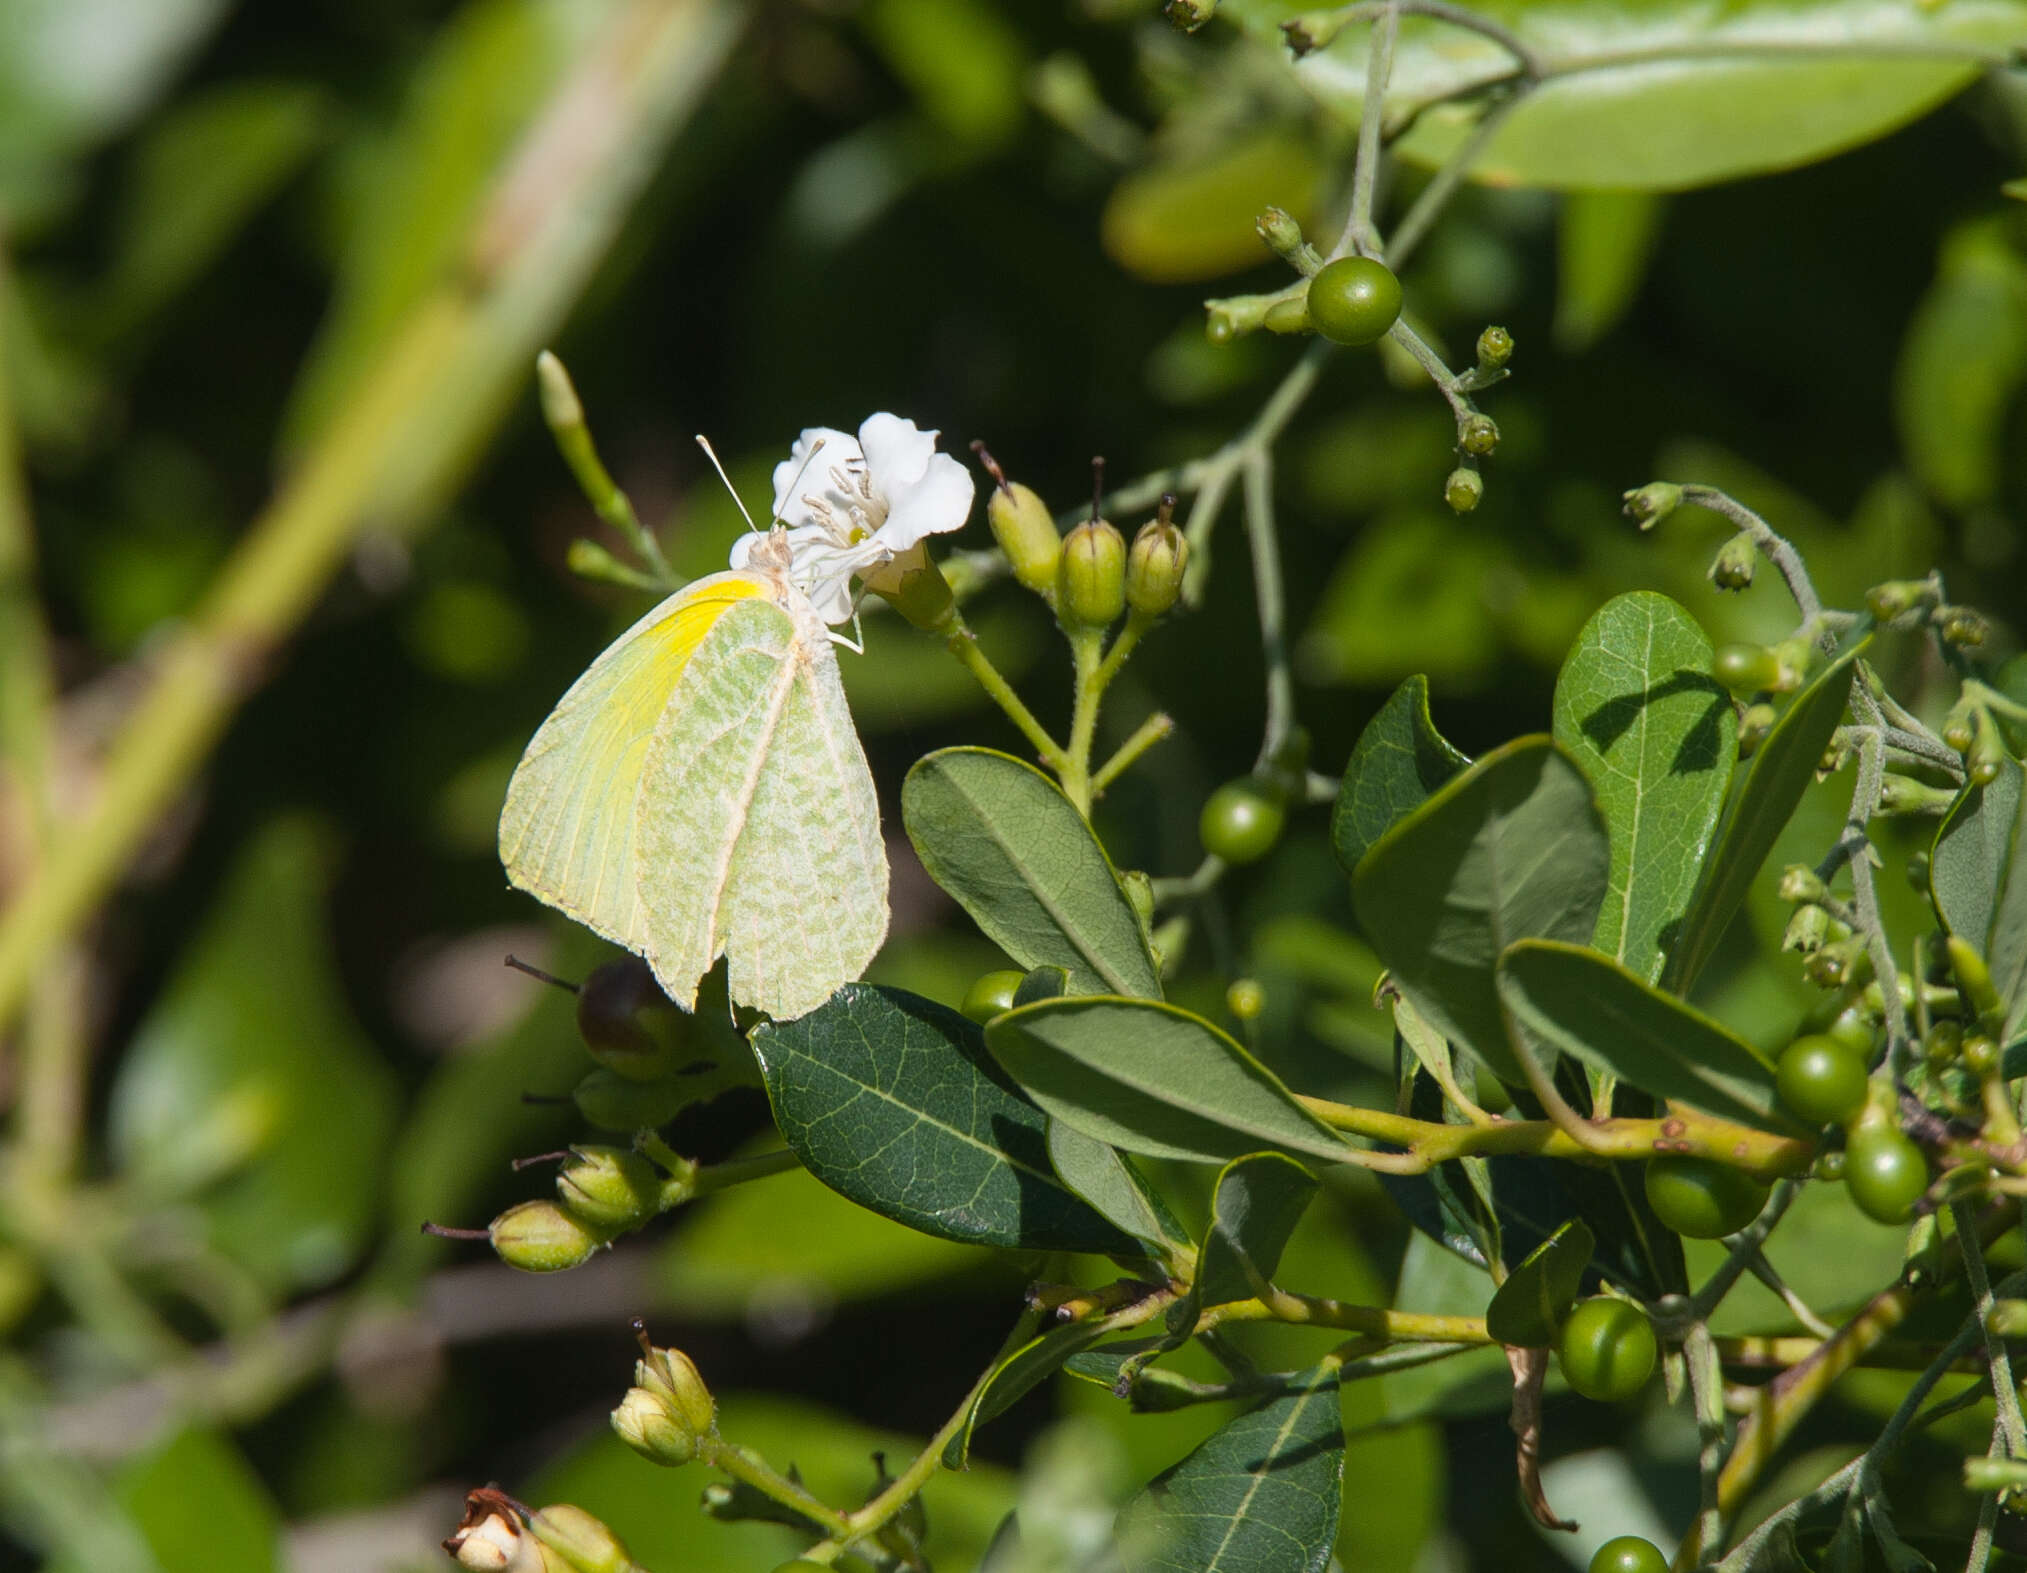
1189	15
1462	489
1898	597
630	1026
1917	871
1736	560
1807	931
1154	567
1754	722
668	1376
648	1424
1960	726
1793	657
491	1537
1905	795
1829	1165
1139	895
609	1188
584	1544
1981	1055
1025	529
1799	882
1495	349
1246	998
1839	964
1478	436
1945	1041
1974	978
1986	756
540	1237
1648	505
915	587
1283	236
1288	316
1091	582
1962	627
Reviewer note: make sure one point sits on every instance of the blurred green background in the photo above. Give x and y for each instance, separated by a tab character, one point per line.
996	217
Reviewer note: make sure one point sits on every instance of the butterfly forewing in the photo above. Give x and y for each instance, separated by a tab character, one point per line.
758	829
567	832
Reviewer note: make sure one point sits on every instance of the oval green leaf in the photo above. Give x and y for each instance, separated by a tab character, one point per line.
1399	759
1118	1191
1569	999
1260	1495
1637	708
892	1101
1527	1308
1972	849
1717	93
1002	839
1258	1201
1781	770
1512	849
1150	1078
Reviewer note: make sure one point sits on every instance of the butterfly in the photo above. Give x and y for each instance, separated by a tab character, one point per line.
701	792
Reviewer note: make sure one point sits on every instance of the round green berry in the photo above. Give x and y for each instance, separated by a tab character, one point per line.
1607	1349
1701	1197
1628	1554
1241	821
1354	300
1821	1080
1746	668
1885	1173
990	994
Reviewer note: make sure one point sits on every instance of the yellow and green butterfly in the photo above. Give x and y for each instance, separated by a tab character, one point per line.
701	792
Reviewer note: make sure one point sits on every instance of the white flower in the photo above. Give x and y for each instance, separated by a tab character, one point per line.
851	504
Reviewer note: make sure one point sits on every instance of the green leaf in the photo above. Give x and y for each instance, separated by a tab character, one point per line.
1962	361
1527	1308
1972	850
1262	1495
1569	999
1152	1078
200	1506
1782	768
1040	1358
250	1088
1604	240
1511	849
891	1100
203	171
1257	1203
1004	841
1115	1188
1757	85
1190	216
1637	709
1399	759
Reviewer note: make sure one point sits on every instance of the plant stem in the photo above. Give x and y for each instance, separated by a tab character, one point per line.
1143	737
1360	234
397	447
1706	1390
1774	547
1430	202
2005	1396
1270	600
963	644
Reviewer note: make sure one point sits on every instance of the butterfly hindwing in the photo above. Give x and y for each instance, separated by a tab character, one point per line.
758	828
567	832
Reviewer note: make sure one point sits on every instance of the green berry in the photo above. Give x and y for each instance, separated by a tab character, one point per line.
1241	821
1607	1349
1821	1080
991	994
1354	300
1746	668
1885	1172
1701	1197
1495	348
1981	1055
1628	1554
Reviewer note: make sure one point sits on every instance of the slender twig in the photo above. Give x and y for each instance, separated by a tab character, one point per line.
2005	1396
1142	738
1270	600
1435	196
1360	235
963	644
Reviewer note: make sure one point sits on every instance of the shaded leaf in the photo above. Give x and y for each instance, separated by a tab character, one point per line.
1637	708
1182	219
1604	241
1004	841
1017	1375
891	1100
250	1087
1766	85
1511	849
1568	999
1254	1209
1115	1188
1154	1079
1782	767
1527	1308
200	1506
1971	852
1398	760
1262	1495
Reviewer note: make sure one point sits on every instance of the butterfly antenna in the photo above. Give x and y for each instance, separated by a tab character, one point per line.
711	454
808	459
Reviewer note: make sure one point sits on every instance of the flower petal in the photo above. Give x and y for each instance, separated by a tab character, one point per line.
897	451
939	501
806	472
